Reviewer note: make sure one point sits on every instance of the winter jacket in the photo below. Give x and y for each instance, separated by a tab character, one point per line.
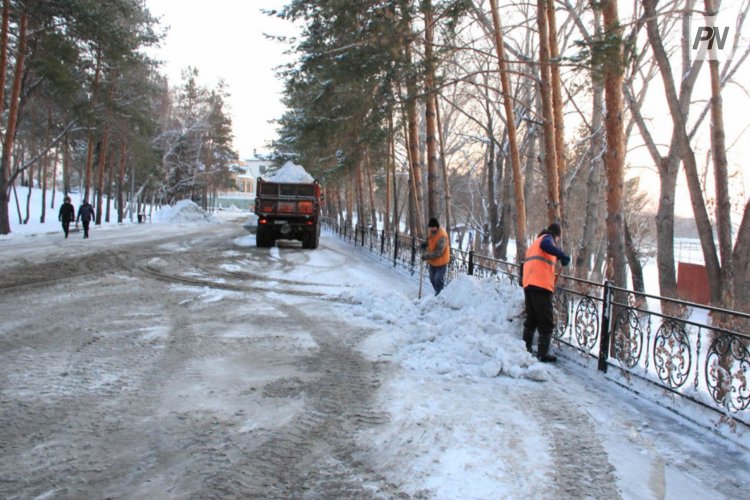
67	213
438	251
539	266
86	212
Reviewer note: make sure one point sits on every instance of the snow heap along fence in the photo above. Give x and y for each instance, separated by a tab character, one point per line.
682	349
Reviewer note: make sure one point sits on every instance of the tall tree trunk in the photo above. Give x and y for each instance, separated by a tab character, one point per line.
108	188
4	51
348	197
557	107
548	119
389	164
492	216
506	210
28	194
90	149
55	160
719	154
371	190
636	269
587	245
121	179
444	165
515	157
10	130
103	152
414	154
741	263
614	158
66	166
430	113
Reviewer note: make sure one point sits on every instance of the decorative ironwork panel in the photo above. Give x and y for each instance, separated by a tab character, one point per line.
561	305
672	356
728	371
586	323
628	336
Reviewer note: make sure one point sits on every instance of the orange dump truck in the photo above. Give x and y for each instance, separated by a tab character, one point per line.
288	211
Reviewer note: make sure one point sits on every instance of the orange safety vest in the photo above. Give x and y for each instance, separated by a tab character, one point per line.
539	267
441	260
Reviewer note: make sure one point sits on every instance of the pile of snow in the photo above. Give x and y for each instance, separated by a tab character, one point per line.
290	172
470	330
183	211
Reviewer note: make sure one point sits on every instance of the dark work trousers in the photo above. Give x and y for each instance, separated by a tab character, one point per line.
437	277
66	227
539	316
86	228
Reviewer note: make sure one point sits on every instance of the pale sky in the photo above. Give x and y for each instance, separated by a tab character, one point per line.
224	39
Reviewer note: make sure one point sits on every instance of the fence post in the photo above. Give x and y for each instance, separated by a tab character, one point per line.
471	262
604	337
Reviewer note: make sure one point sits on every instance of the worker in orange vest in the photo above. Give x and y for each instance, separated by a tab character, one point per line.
437	254
538	286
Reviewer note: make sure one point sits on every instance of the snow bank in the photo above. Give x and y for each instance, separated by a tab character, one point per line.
472	329
290	172
183	211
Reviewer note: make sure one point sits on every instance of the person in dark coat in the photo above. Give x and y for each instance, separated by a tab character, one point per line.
85	215
66	215
538	286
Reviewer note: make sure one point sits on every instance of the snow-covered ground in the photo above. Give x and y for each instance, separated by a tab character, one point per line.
472	415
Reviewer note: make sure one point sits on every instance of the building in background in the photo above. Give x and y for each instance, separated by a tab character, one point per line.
245	174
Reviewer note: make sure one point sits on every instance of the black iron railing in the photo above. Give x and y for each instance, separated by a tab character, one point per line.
690	350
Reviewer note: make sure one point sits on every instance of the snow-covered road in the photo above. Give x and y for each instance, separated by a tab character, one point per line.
179	360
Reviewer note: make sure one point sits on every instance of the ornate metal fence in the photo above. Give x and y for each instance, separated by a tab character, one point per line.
690	350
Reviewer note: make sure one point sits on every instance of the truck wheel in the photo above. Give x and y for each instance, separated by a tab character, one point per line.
311	239
263	238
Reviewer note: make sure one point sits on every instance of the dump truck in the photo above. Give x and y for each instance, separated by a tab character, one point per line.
288	211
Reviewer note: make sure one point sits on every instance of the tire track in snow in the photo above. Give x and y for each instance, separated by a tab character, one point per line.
580	464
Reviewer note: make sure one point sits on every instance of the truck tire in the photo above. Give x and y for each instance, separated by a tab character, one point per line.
311	239
264	238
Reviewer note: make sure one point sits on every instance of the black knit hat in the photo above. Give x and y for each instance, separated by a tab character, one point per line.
433	222
554	228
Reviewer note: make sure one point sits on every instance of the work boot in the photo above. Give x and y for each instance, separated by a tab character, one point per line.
528	338
544	355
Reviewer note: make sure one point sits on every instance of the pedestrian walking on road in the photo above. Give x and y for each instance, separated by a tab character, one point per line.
437	253
538	286
85	215
66	215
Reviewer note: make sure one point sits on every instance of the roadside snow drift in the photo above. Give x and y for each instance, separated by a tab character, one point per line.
183	211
